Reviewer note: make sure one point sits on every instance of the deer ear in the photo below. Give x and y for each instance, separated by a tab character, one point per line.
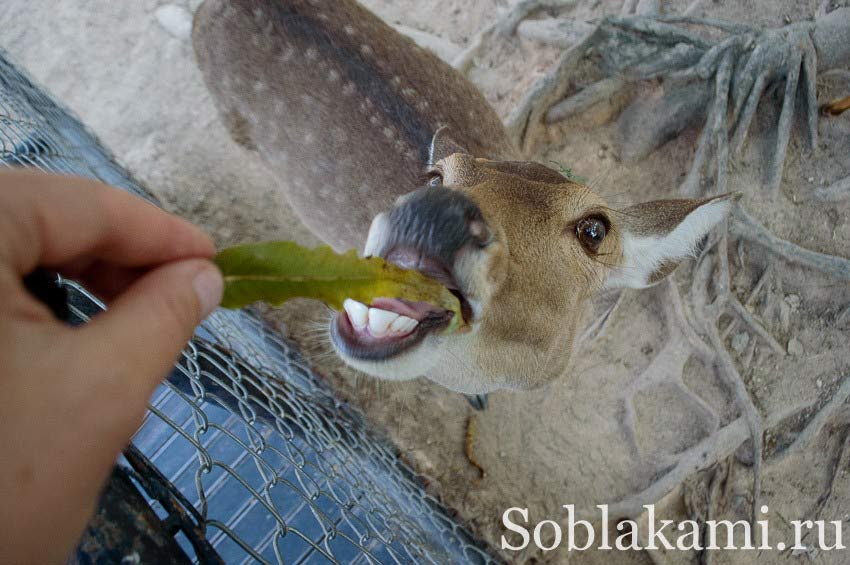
443	145
657	235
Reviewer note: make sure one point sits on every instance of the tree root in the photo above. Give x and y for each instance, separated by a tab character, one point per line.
836	192
746	227
716	446
756	326
709	316
600	322
504	27
554	31
735	72
750	414
817	423
834	471
717	482
545	91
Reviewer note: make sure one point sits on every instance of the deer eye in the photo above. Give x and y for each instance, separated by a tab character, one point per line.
435	178
591	231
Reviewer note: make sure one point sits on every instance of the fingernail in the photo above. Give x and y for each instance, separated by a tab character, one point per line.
209	287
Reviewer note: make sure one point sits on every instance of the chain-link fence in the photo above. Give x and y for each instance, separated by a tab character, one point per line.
244	453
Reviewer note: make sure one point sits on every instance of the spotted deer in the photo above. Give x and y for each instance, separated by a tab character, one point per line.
381	146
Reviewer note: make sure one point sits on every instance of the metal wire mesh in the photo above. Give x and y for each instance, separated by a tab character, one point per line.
272	467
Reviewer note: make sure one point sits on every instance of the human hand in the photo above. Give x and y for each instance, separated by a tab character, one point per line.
70	398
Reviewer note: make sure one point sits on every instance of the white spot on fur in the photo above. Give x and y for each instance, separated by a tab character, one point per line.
366	50
333	75
312	54
259	86
349	30
349	89
287	54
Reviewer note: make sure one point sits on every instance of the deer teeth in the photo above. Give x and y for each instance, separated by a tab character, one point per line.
403	325
380	320
358	313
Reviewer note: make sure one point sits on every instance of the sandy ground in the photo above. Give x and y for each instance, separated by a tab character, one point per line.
127	70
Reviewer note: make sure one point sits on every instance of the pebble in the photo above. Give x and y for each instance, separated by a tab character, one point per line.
795	348
793	301
740	341
176	20
785	315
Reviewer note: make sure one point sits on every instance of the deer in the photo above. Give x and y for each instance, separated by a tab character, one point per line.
383	147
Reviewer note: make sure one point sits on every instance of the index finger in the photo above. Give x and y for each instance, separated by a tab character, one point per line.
52	221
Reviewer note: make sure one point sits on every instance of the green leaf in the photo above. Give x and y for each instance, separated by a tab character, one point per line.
278	271
569	174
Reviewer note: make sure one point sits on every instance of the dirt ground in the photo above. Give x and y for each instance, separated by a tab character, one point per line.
127	69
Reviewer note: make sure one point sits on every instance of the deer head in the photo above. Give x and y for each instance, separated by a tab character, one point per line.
523	248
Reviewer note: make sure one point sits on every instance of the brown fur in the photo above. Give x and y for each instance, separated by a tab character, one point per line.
339	105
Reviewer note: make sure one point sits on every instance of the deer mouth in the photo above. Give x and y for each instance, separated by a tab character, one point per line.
390	326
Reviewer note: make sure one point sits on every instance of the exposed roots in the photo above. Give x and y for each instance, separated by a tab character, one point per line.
746	227
714	447
684	342
600	321
835	470
709	315
817	422
504	27
720	81
838	191
546	91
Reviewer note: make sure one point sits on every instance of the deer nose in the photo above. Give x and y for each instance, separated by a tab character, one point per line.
436	223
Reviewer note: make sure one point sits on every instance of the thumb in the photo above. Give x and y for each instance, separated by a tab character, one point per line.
144	330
